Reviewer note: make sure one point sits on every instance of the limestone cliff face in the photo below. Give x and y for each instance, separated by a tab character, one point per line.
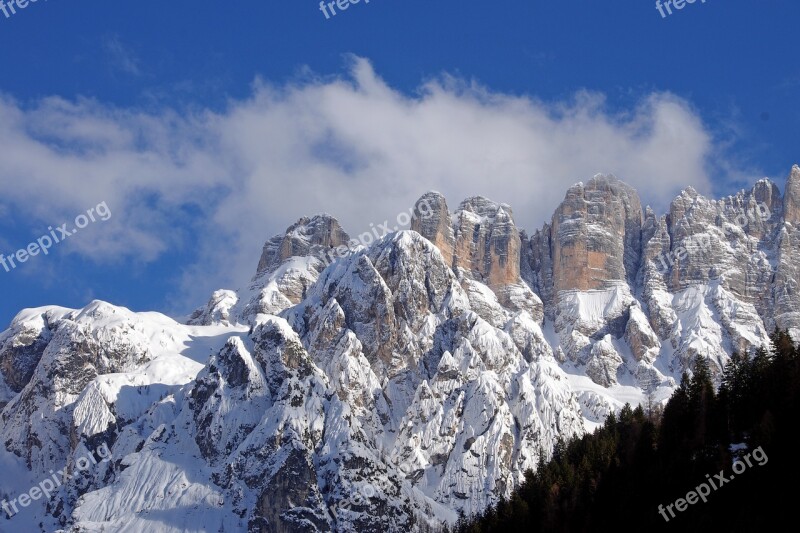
431	219
480	238
708	238
504	250
784	288
596	235
487	241
792	197
594	242
481	242
709	277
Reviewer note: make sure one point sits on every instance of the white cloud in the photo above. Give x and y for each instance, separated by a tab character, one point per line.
120	56
352	146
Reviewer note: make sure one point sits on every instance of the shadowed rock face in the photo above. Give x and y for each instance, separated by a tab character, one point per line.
19	358
537	265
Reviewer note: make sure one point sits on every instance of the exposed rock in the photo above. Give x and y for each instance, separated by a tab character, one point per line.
290	264
431	219
487	242
216	311
306	237
596	235
784	285
792	197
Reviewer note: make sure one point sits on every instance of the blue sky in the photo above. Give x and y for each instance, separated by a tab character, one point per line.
207	127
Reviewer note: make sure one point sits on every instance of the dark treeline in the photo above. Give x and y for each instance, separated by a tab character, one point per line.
616	478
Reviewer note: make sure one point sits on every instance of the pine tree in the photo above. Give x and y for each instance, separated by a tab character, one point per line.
702	401
674	421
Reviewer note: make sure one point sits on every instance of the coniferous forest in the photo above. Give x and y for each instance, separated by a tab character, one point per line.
616	478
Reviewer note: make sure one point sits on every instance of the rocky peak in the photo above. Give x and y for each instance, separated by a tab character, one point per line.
596	234
289	265
708	239
791	197
487	243
481	243
431	219
767	192
483	207
216	311
306	237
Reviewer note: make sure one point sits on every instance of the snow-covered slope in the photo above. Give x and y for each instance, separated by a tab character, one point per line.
389	387
78	379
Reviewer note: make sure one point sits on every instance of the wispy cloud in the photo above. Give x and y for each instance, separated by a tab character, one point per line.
120	56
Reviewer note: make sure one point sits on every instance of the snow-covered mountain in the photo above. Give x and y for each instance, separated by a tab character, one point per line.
390	386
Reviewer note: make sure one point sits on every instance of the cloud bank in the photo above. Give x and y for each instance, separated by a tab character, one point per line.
222	182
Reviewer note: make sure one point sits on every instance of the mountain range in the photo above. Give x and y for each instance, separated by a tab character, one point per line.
389	385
